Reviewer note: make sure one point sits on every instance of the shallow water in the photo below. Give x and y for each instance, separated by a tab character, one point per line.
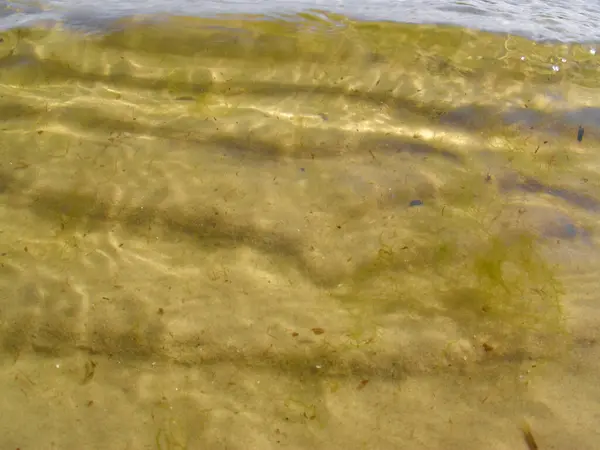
313	233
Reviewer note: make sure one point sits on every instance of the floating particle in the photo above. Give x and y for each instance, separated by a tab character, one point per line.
415	203
89	370
580	133
362	384
318	330
528	437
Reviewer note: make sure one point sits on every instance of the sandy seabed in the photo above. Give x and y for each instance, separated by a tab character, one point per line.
260	235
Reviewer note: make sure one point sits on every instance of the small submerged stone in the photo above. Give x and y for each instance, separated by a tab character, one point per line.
580	132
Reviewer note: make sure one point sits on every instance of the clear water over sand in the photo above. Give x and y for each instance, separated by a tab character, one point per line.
306	234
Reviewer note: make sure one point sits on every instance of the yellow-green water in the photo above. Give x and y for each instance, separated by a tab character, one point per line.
208	240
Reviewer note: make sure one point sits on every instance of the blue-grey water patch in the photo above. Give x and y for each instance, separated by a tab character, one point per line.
530	185
562	20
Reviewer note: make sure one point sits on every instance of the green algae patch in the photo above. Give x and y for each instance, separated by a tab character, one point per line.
463	267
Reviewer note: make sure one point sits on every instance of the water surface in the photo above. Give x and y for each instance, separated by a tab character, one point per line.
315	232
555	20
